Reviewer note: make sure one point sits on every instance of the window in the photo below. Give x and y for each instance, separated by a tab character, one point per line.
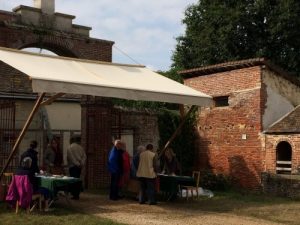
221	101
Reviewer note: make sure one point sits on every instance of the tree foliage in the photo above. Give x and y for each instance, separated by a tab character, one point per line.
224	30
183	144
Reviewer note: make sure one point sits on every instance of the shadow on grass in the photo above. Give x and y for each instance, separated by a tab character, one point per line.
59	215
258	206
268	208
221	202
274	209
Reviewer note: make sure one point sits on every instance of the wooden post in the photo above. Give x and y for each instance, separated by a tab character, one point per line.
52	99
181	110
176	132
22	133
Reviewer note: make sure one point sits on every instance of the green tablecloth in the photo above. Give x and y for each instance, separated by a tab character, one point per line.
55	184
169	185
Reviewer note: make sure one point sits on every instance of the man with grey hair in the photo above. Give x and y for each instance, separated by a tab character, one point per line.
26	162
33	154
25	170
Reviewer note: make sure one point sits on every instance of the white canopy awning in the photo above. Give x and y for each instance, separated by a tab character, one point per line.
68	75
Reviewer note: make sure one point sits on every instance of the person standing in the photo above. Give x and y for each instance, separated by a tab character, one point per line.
147	174
125	167
53	157
33	154
135	160
76	157
115	167
76	161
171	164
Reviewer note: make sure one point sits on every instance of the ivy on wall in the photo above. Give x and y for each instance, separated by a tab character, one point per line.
168	121
183	144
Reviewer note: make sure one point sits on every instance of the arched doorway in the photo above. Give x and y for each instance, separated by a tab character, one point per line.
283	158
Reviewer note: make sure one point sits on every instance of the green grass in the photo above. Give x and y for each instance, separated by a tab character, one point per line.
273	209
59	216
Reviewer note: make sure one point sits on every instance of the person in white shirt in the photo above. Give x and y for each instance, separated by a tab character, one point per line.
146	174
76	160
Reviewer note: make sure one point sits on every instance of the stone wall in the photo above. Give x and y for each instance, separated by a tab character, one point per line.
281	185
145	126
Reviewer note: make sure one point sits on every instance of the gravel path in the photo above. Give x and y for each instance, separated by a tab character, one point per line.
130	212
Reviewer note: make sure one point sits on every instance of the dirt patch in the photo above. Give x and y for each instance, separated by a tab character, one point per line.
130	212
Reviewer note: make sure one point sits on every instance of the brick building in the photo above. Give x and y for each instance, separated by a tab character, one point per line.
94	118
254	125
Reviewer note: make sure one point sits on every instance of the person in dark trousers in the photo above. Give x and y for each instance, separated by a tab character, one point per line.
76	160
146	173
76	157
33	154
115	167
135	161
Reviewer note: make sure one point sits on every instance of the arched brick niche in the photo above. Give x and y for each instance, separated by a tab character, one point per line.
281	147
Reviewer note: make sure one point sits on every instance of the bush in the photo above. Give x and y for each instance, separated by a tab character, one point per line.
183	144
215	182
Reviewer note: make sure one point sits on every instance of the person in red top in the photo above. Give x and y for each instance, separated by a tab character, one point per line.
126	167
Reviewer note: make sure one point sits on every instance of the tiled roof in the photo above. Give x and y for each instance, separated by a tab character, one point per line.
233	65
289	123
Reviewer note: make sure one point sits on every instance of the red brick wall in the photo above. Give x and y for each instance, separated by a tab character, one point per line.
7	16
220	146
96	137
60	43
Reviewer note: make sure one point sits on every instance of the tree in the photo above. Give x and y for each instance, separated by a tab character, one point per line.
223	30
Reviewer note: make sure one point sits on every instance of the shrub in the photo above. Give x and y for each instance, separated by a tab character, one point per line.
215	182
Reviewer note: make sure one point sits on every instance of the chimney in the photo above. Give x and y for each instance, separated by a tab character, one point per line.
47	6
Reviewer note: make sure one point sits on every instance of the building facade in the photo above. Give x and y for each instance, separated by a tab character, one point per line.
93	118
249	97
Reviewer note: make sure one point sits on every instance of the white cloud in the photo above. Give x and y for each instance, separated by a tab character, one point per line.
144	29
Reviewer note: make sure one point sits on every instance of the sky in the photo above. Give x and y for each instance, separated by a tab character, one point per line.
145	30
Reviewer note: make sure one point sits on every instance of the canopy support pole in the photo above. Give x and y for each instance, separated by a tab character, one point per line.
52	99
176	132
22	133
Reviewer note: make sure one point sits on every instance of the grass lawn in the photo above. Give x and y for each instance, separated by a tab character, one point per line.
273	209
268	208
59	216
